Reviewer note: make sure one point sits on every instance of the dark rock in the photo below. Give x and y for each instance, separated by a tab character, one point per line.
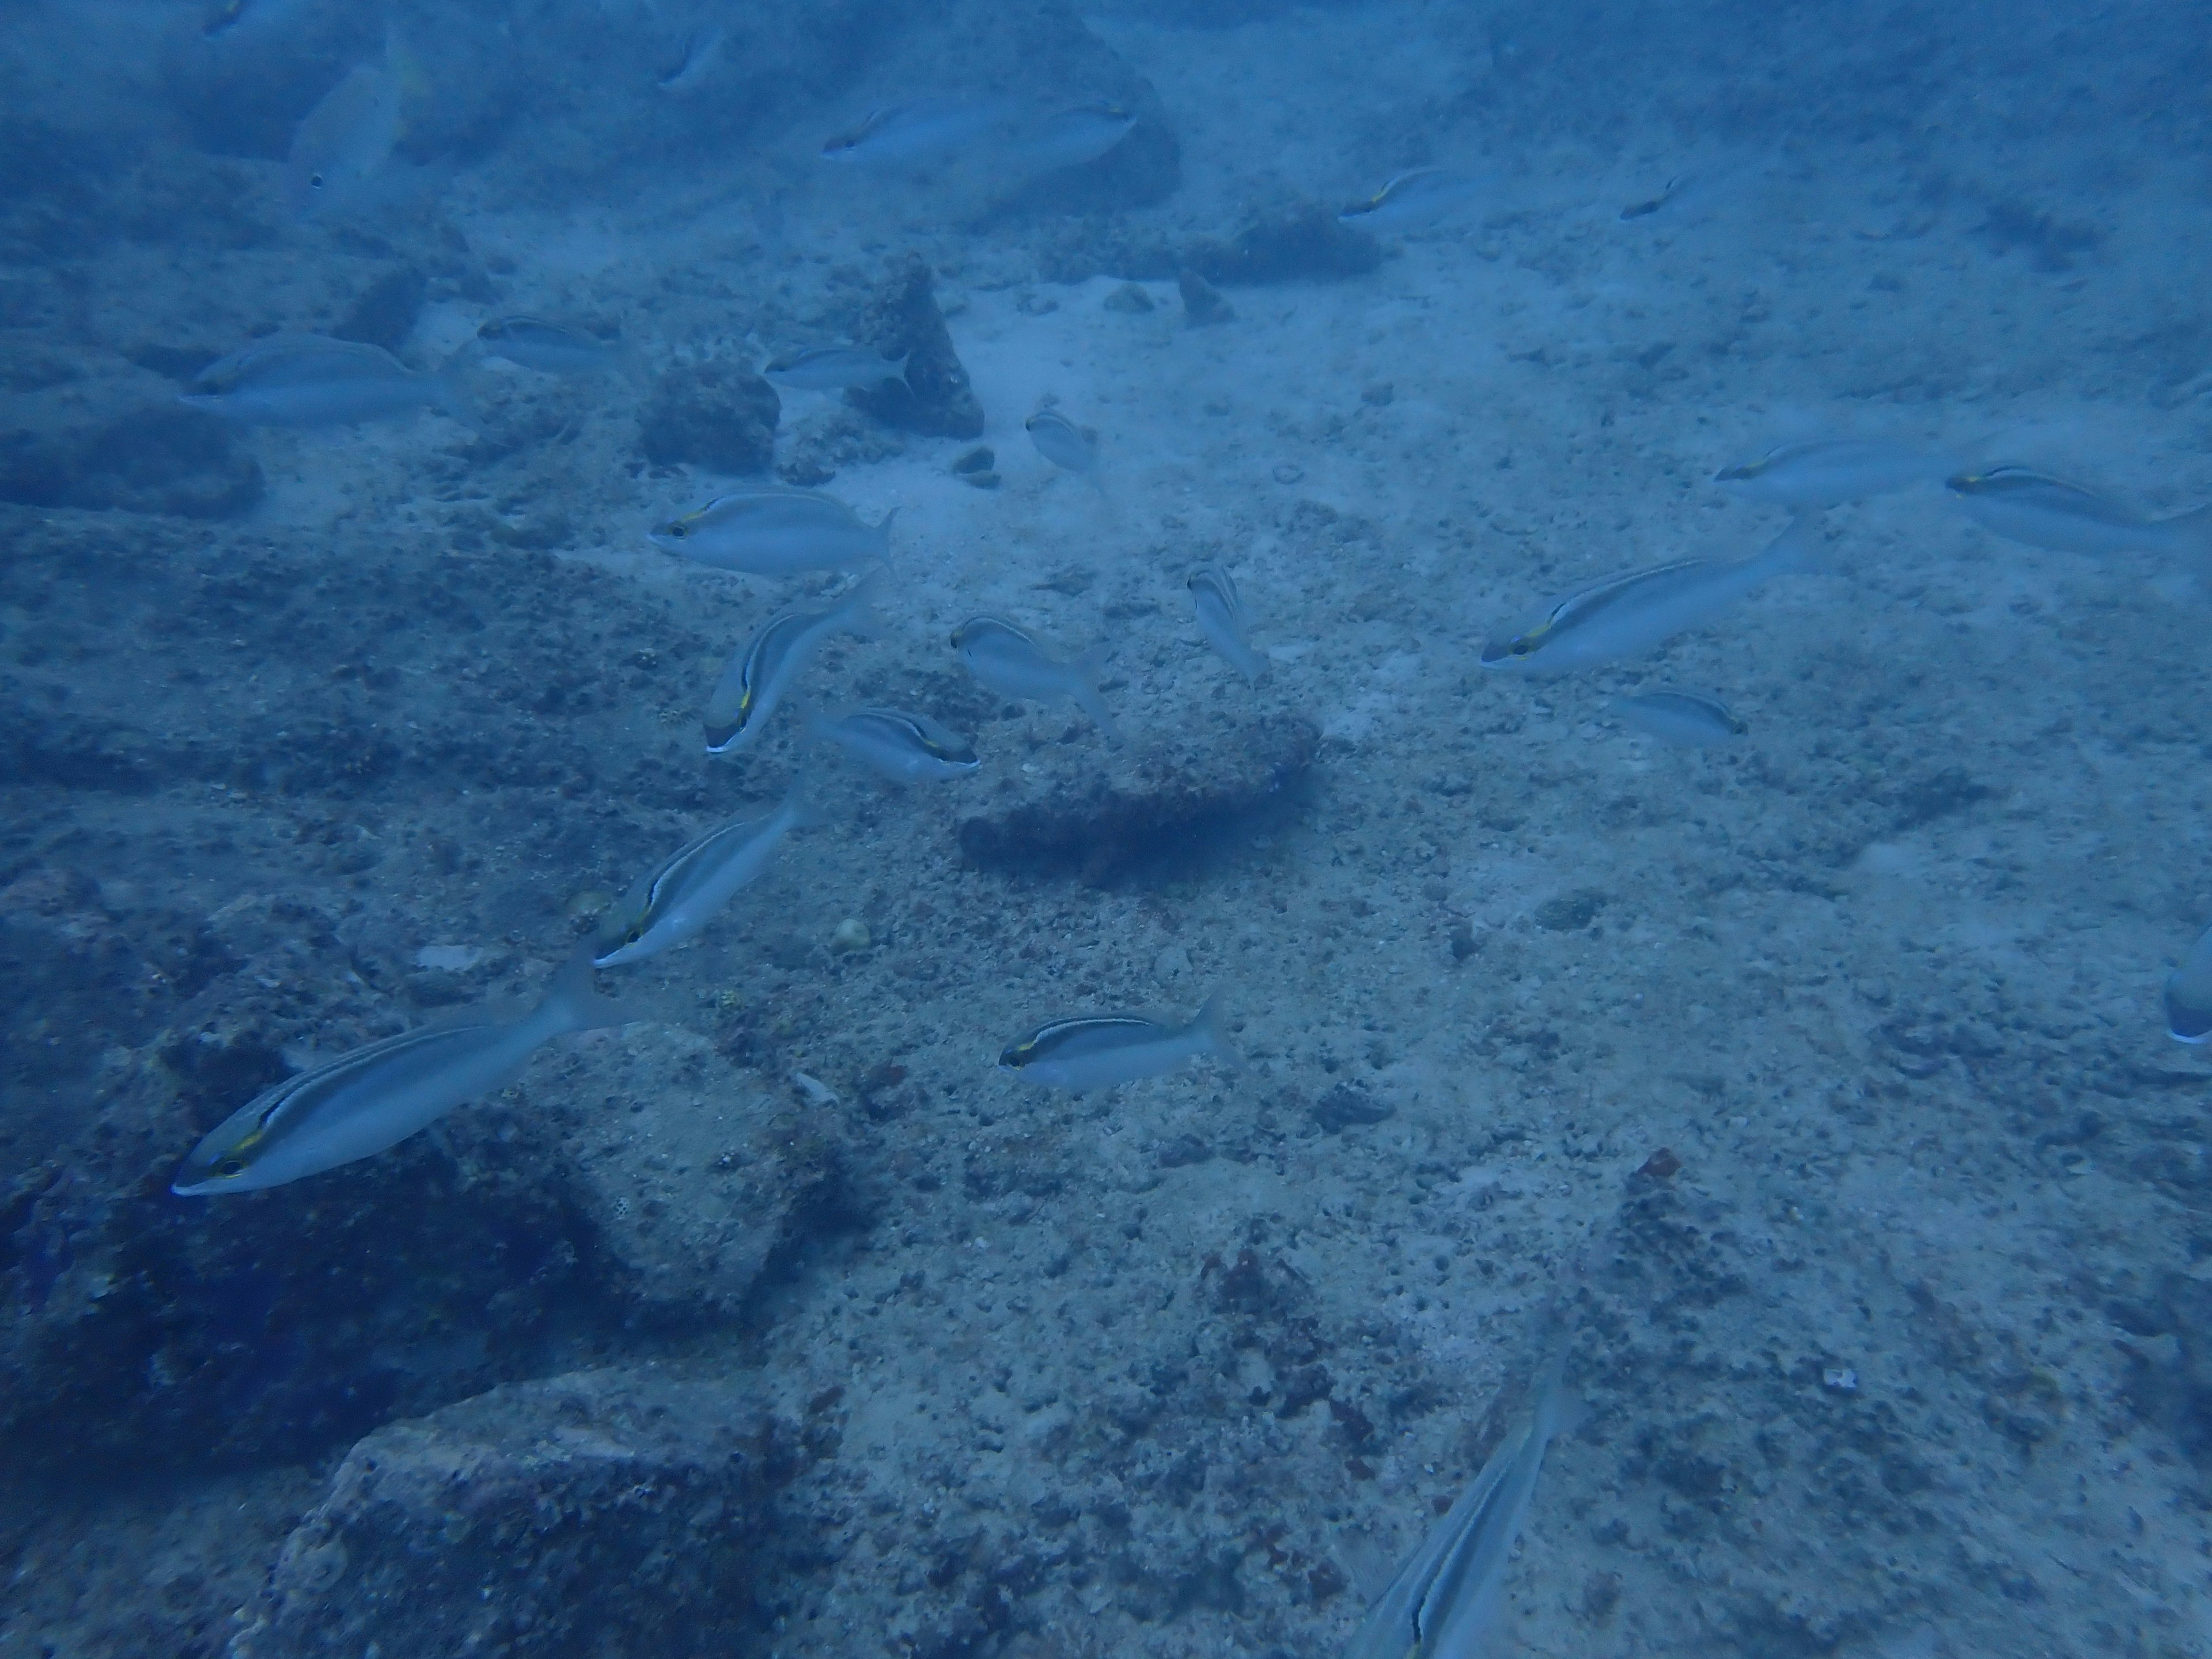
1347	1104
713	415
1170	809
1129	297
1567	913
903	320
978	468
505	1524
149	459
386	312
1306	244
1201	301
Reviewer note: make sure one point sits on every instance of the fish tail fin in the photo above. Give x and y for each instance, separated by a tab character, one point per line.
2192	533
1085	690
1208	1026
856	612
1802	550
450	396
803	813
573	1002
904	363
883	534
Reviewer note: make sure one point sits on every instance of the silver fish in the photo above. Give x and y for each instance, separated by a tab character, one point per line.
1643	609
902	747
1220	610
832	368
359	1104
774	530
346	140
756	677
2041	511
681	896
549	348
310	381
1830	471
917	131
1681	720
2189	994
1103	1052
696	57
1063	443
1444	1599
1412	199
1009	662
1071	138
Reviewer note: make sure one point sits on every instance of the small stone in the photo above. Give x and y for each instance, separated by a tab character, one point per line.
852	934
1662	1165
1380	395
1464	943
1201	301
1841	1378
1287	472
1347	1104
1130	298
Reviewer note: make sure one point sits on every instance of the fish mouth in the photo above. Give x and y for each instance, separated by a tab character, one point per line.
1964	483
1732	475
1500	653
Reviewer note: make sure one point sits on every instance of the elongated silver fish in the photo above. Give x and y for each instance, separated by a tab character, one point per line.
1414	199
1008	661
1220	610
905	748
1681	720
916	132
694	59
684	893
344	143
549	348
1071	138
311	381
2189	994
1639	611
1829	471
755	678
774	530
363	1102
832	368
1100	1052
1063	443
2040	511
1443	1602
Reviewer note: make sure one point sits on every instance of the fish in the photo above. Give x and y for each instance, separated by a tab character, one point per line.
1221	619
754	682
1641	610
361	1103
2189	994
1103	1052
1445	1598
679	896
1412	199
1681	720
1073	136
1830	471
832	368
916	131
1063	443
343	144
549	348
775	530
2040	511
906	748
313	381
1009	662
695	56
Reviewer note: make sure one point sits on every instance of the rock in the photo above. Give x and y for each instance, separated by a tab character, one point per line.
712	415
1201	301
1346	1105
1166	808
386	312
605	1511
118	440
903	320
978	468
1306	243
1129	297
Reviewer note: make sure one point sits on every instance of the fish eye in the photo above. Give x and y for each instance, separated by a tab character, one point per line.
677	532
231	1167
1520	646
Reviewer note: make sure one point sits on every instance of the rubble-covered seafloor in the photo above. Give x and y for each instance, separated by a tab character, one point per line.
779	1322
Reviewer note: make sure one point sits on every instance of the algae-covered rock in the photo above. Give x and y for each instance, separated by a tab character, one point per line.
712	415
903	320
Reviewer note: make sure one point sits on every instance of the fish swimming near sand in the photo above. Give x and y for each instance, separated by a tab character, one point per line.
549	348
1009	662
679	897
374	1098
917	131
756	677
343	144
2189	994
2040	511
1066	445
1220	612
1640	610
1100	1052
1444	1601
1419	196
903	747
1681	720
832	368
313	381
775	530
1830	471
